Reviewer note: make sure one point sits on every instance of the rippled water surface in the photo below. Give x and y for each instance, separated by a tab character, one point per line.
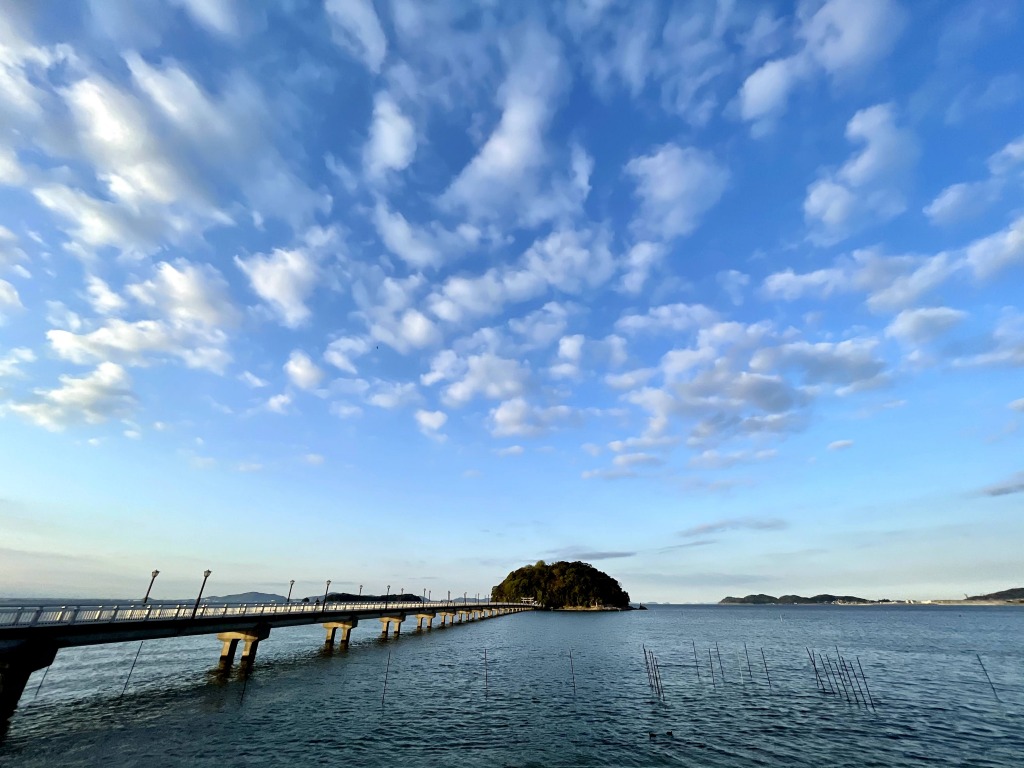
303	706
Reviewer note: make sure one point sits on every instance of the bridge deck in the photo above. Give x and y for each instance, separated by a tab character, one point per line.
71	625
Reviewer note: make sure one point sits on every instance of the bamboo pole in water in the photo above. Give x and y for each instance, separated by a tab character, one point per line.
387	670
766	670
835	673
749	671
572	669
712	665
695	664
988	678
720	667
833	689
870	697
817	677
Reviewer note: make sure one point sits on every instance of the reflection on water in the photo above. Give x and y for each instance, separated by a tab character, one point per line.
304	704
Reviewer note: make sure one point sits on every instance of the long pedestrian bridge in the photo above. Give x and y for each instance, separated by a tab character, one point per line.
31	636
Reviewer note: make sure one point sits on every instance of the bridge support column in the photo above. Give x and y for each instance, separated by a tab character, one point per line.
251	638
421	617
391	621
447	617
15	668
346	628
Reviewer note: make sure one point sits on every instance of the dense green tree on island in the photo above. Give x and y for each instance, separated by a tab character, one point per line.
562	585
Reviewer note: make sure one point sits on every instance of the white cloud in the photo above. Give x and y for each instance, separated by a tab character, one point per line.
733	282
279	403
103	300
392	395
501	175
637	460
512	450
541	327
959	201
431	421
840	38
9	297
641	259
517	418
570	353
187	294
104	394
712	459
392	141
356	28
314	459
839	445
284	279
676	187
10	364
1017	405
923	325
868	188
852	363
303	372
413	246
667	317
217	16
341	351
994	253
138	343
765	92
487	375
252	381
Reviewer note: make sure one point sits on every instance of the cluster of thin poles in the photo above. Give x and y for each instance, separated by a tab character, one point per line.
653	673
721	668
840	676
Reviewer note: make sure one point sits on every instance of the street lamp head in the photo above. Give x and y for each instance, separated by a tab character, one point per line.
206	573
292	582
156	573
328	582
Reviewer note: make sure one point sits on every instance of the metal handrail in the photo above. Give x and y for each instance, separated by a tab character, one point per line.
30	616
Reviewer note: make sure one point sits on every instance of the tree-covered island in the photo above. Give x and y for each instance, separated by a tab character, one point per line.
563	586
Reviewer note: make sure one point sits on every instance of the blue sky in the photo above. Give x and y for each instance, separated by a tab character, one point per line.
721	297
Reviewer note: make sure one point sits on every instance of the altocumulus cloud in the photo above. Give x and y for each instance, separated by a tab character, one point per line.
735	524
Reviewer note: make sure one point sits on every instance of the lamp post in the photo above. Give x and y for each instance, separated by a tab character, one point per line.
326	590
360	590
154	575
449	595
464	598
400	593
430	594
206	575
424	595
387	595
291	586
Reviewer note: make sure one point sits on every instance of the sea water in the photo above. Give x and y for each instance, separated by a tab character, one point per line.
529	704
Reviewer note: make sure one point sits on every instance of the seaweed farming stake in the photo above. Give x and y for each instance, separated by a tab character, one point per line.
387	669
572	669
835	673
870	698
712	665
695	664
765	662
842	666
749	672
647	665
988	678
485	676
816	678
129	671
834	689
720	667
852	673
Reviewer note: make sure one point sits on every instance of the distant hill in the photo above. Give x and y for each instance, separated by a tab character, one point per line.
794	600
247	597
1017	593
563	585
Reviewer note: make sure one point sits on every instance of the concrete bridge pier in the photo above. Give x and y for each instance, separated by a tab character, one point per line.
251	638
447	617
391	621
427	617
16	665
346	628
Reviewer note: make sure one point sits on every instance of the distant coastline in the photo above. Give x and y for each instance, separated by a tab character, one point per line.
1013	596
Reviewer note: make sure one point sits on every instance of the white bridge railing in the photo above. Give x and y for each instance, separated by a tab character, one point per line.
104	614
